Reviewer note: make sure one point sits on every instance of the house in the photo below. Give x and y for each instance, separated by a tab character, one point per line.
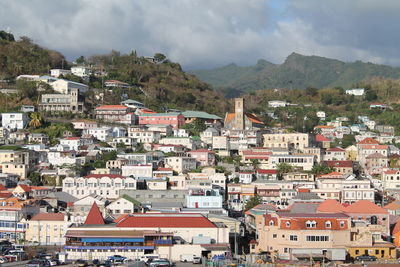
143	135
355	91
181	164
205	157
351	153
277	104
115	83
208	119
56	73
24	192
73	143
27	109
377	106
104	185
46	229
326	130
207	135
133	104
13	215
164	129
386	129
156	184
115	113
298	176
204	199
292	235
187	142
321	115
67	87
265	174
82	124
175	119
123	205
137	170
335	153
304	162
364	150
287	140
391	179
14	121
322	141
38	138
341	166
376	162
64	102
102	133
81	71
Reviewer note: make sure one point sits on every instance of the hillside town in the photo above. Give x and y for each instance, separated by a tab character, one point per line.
190	186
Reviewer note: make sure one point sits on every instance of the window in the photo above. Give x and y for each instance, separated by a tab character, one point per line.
328	224
293	237
311	224
317	238
341	224
287	224
274	236
271	223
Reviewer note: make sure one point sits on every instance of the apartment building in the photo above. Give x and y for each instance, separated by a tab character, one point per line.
46	229
14	121
143	135
304	162
287	140
65	102
181	164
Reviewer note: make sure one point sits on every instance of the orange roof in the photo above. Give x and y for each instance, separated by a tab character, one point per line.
48	217
391	172
368	140
324	127
392	205
330	206
333	175
365	206
251	117
112	107
396	228
229	117
94	216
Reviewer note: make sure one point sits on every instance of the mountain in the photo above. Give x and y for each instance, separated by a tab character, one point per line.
298	71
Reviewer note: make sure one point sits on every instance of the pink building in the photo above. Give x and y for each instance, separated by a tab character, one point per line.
175	119
204	156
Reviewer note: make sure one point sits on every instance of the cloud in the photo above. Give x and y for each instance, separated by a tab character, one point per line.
208	33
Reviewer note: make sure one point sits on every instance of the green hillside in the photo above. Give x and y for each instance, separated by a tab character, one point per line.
297	71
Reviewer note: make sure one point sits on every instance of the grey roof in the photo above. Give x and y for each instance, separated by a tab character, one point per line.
306	196
166	204
62	196
304	207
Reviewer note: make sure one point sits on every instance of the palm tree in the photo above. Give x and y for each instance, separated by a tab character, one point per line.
36	120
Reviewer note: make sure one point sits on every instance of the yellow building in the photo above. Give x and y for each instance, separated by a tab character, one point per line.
382	250
352	153
15	168
46	229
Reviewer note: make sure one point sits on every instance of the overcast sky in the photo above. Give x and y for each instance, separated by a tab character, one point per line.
209	33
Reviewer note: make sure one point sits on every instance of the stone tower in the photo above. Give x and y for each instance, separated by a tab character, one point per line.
239	114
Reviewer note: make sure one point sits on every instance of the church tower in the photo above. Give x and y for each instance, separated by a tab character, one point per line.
239	114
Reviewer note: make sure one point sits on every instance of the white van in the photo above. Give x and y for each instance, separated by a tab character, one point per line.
187	257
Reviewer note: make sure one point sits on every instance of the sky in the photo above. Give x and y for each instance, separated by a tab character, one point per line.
211	33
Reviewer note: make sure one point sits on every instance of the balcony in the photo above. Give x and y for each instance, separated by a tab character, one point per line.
162	242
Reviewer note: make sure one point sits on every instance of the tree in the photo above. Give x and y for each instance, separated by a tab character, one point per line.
283	168
319	169
35	178
311	91
7	36
255	163
370	95
195	127
348	140
158	57
80	60
36	120
252	202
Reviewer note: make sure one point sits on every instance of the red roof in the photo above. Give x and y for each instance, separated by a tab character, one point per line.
112	107
339	163
365	206
375	147
5	194
25	187
368	141
396	227
330	206
94	216
321	138
391	172
2	187
73	138
48	217
98	176
263	171
166	221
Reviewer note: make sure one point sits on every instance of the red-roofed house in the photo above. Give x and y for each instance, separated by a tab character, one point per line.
330	206
204	156
265	174
341	166
323	141
175	119
23	191
54	225
73	143
82	124
364	150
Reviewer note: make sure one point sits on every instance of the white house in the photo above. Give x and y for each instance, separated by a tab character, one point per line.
58	72
181	164
72	142
104	185
245	177
356	91
14	121
123	205
101	133
207	199
145	170
132	104
80	71
321	115
277	103
65	86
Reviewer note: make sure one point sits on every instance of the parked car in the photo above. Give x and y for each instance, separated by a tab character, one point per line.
365	258
3	260
196	260
37	263
81	263
160	263
52	262
107	263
